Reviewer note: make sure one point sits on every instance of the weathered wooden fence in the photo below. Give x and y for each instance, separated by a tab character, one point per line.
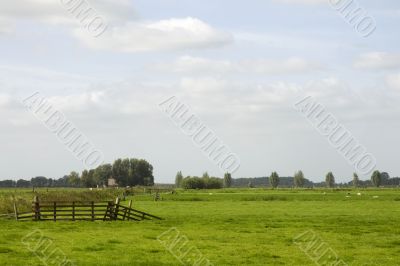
82	211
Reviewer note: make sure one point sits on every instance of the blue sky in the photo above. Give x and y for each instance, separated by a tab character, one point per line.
239	65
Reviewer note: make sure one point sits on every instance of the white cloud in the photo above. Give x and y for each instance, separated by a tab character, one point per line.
189	64
124	33
302	2
393	81
56	12
170	34
39	78
6	26
378	60
4	100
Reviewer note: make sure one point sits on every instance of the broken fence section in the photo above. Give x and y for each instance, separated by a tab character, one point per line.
82	211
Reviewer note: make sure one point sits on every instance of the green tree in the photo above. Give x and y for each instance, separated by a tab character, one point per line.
119	172
385	178
193	183
127	173
330	180
178	179
205	175
87	178
227	180
376	178
133	172
356	180
299	179
40	181
143	173
274	180
73	179
213	183
102	173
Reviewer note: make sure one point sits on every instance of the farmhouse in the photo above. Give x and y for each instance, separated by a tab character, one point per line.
112	182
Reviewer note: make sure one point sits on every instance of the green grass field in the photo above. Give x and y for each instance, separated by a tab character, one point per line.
227	227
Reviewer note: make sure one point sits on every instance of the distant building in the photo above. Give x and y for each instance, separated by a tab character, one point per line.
112	182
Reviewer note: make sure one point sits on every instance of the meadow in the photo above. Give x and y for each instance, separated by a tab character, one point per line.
227	227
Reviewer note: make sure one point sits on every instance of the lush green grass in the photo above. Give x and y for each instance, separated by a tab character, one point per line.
229	227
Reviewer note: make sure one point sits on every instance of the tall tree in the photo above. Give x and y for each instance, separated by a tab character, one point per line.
205	175
85	178
274	180
299	179
330	180
385	178
356	180
178	179
73	179
376	178
102	173
88	179
118	172
133	172
227	180
143	173
39	181
127	173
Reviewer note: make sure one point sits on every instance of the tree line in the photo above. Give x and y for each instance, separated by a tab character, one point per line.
298	180
126	172
377	178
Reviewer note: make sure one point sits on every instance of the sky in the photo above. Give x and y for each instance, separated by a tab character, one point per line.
240	66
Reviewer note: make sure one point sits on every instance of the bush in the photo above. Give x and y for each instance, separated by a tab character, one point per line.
202	183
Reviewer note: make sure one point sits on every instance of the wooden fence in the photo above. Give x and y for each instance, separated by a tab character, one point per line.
82	211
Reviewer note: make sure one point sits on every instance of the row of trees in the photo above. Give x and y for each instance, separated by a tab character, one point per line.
298	180
39	181
126	172
376	179
194	182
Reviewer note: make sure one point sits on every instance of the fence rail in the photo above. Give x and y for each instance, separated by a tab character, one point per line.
82	211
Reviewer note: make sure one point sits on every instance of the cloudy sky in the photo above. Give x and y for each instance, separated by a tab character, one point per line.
239	65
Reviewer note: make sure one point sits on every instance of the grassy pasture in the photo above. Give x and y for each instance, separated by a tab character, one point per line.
228	227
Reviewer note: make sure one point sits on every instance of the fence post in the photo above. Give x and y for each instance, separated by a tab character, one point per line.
117	201
36	208
73	211
15	211
92	210
108	211
55	211
129	210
